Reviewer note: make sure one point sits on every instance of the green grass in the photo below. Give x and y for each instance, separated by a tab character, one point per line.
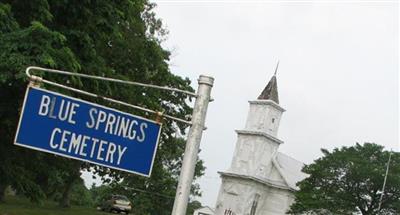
22	206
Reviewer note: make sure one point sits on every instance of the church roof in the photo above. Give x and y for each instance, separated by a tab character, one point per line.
205	209
270	92
290	169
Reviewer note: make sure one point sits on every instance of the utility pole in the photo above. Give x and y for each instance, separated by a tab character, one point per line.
384	182
192	145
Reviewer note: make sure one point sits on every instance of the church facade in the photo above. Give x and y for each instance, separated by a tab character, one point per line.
260	180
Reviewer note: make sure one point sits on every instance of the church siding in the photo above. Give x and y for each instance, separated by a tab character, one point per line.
237	195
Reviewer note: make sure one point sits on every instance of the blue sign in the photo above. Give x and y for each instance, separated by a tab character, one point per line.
77	129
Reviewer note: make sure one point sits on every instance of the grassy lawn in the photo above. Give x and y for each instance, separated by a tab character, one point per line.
22	206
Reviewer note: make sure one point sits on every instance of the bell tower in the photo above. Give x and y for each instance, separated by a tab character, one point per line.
257	142
260	180
265	113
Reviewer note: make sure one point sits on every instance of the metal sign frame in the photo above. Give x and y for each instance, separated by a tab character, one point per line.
92	104
37	79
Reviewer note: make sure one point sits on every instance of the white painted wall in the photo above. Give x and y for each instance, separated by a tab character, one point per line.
238	195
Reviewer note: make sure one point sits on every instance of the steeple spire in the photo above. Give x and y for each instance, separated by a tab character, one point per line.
270	92
276	68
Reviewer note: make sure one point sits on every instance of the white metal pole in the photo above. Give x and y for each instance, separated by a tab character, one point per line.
384	182
192	145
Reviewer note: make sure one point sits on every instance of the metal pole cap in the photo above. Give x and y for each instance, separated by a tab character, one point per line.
203	79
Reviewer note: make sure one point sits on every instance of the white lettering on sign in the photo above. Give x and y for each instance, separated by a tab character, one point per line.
121	126
63	140
91	112
65	112
78	144
110	152
101	149
52	145
44	105
85	146
116	125
142	127
121	151
95	141
75	141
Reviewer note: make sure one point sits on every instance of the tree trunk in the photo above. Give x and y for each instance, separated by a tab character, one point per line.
74	175
65	199
2	191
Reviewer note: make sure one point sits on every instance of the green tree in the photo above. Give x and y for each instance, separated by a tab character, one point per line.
192	206
120	39
21	46
100	193
349	180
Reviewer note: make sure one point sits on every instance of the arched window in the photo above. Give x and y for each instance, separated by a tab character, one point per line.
254	205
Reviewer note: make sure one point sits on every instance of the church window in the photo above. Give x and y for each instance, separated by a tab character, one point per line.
273	120
254	205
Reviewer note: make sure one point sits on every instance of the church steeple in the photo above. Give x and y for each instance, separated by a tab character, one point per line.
270	92
265	112
258	142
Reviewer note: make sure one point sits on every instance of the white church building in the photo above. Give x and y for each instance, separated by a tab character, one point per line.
261	180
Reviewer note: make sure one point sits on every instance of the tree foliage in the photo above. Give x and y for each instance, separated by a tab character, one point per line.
120	39
192	206
349	180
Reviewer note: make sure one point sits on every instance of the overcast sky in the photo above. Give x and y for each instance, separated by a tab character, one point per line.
337	79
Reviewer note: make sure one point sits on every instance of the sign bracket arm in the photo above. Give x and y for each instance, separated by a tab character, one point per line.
39	79
28	73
